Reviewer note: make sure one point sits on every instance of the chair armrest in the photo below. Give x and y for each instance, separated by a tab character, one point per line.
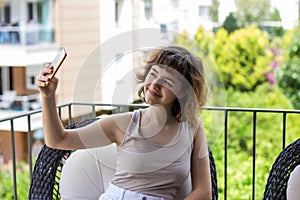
47	169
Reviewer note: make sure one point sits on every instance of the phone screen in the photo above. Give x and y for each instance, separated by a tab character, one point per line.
56	63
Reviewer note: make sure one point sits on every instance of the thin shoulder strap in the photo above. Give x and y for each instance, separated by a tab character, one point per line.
133	126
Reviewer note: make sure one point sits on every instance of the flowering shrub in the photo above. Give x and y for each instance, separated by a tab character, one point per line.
288	75
242	57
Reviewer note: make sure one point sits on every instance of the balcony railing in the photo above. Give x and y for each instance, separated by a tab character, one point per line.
22	103
66	114
26	35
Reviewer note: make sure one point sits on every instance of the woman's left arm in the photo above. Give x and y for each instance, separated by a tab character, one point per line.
200	170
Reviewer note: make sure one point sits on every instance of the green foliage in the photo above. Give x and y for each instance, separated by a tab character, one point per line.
183	39
252	11
240	140
288	75
242	57
230	24
287	41
214	10
203	39
275	16
6	182
274	30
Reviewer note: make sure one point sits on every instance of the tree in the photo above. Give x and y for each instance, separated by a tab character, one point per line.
203	38
276	30
230	24
275	16
252	11
288	75
214	10
242	57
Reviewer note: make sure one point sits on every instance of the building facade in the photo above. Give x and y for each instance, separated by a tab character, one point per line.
100	37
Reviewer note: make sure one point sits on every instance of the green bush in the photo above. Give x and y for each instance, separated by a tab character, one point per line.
203	39
240	140
6	182
242	57
230	24
288	75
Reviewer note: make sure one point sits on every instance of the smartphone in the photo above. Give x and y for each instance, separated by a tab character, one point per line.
59	59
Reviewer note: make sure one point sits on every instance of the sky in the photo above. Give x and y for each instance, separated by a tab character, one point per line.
288	11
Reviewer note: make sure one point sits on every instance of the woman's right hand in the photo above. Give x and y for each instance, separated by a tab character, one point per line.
46	86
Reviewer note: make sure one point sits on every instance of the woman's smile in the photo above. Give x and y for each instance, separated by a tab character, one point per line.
154	93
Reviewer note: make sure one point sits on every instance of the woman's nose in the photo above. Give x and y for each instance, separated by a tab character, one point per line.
156	84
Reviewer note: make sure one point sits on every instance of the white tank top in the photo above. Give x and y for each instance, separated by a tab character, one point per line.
150	168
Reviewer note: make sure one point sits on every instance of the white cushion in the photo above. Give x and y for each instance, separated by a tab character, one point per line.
85	176
87	173
293	187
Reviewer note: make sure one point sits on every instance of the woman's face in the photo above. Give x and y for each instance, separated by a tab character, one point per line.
162	86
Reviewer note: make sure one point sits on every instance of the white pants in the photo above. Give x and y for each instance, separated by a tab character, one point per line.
114	192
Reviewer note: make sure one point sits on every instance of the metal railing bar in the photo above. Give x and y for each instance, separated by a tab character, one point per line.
29	146
93	111
109	104
59	113
225	152
12	136
236	109
19	115
70	114
254	155
284	130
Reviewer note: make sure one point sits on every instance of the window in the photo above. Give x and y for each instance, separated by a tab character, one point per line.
31	72
118	9
30	12
34	12
203	11
148	9
5	13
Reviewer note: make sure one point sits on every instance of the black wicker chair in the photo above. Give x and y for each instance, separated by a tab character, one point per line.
46	174
284	164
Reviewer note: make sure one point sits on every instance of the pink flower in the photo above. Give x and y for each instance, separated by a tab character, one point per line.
271	78
274	64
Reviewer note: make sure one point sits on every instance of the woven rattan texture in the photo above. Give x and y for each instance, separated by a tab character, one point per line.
45	178
213	175
46	174
279	175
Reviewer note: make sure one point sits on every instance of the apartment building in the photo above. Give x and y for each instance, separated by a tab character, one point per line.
101	38
26	42
32	30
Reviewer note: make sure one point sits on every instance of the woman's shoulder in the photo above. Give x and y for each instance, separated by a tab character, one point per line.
121	119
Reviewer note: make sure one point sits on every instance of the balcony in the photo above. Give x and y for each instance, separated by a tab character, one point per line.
13	34
218	143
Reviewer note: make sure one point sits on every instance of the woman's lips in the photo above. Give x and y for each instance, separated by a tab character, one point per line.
153	93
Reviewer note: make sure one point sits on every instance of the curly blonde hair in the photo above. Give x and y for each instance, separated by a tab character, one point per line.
191	68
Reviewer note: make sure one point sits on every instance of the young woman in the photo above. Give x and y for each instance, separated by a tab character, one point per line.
159	146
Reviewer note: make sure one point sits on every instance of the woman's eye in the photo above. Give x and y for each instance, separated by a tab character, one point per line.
151	73
168	83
